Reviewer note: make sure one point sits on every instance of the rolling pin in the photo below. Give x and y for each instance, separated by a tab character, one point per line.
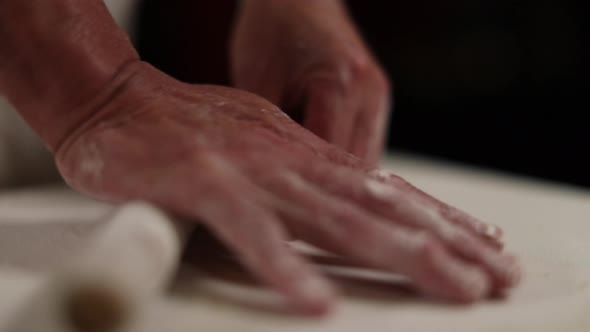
130	260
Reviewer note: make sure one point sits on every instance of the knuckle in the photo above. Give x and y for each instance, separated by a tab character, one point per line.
382	82
353	68
360	67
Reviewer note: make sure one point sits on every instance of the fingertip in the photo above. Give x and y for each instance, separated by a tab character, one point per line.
476	286
466	287
314	296
513	271
496	244
317	309
457	280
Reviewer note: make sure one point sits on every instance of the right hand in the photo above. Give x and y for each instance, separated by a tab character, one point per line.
236	163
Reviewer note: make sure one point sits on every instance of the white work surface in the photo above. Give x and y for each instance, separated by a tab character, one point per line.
547	225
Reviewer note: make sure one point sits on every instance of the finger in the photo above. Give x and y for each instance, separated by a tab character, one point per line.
425	213
369	129
339	158
455	215
335	225
505	268
329	113
470	245
259	240
398	207
384	199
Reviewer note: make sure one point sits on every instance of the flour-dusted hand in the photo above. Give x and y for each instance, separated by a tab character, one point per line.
238	164
122	130
307	57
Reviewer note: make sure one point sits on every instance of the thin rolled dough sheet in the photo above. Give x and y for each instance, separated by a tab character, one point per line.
547	225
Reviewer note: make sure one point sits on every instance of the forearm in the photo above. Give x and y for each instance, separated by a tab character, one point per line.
57	58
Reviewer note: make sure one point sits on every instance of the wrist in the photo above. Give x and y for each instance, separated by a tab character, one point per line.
57	57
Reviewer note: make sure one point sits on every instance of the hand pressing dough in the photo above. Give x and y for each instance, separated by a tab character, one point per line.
546	225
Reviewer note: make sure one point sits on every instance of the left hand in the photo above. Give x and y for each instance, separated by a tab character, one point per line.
306	55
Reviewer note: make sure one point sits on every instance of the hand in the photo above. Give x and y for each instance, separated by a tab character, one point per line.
306	56
236	163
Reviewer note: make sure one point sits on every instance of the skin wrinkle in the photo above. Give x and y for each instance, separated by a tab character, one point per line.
102	102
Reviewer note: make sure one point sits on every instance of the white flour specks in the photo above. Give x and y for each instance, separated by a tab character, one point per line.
490	231
91	163
381	191
380	174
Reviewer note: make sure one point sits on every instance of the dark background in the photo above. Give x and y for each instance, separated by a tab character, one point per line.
500	84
